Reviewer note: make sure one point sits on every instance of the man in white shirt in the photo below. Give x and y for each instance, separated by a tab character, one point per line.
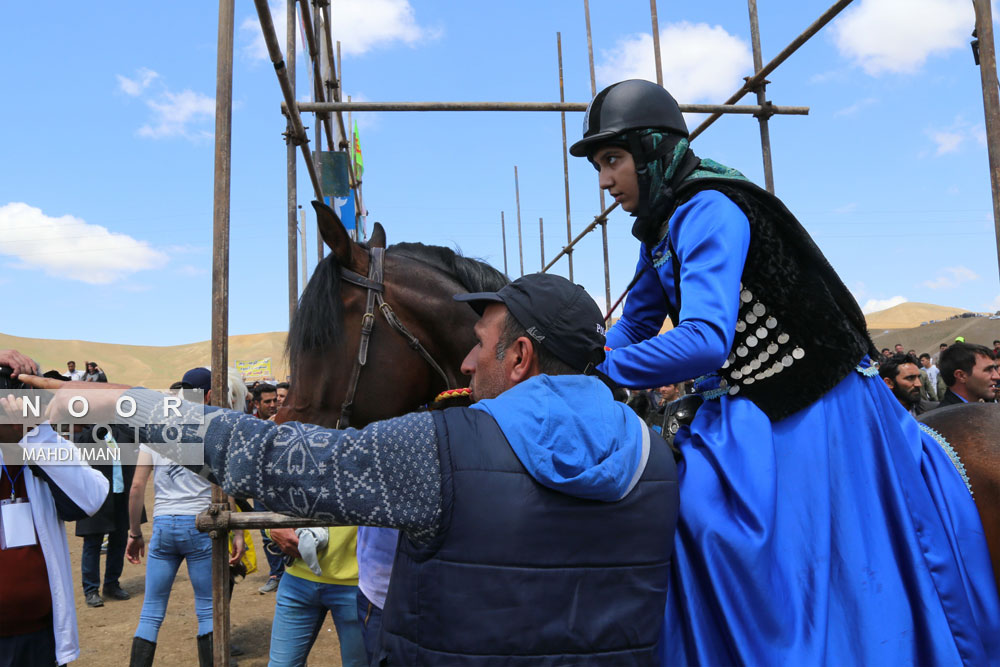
72	373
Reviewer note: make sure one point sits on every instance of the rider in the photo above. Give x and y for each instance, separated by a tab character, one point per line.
818	523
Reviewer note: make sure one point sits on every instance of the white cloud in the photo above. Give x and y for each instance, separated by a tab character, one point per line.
68	247
174	114
899	35
134	87
701	63
856	107
951	277
846	208
993	305
185	114
951	138
875	305
946	142
360	25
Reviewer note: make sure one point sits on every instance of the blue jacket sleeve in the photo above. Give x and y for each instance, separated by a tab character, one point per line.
710	235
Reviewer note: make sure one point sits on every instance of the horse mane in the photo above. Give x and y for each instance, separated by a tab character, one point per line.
318	321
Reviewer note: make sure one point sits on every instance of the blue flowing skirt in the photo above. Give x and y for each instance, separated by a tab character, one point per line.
842	534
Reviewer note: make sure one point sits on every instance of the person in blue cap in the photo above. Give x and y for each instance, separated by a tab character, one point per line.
536	525
818	523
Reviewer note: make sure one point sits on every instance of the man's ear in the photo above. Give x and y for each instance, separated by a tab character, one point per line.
960	376
889	383
524	361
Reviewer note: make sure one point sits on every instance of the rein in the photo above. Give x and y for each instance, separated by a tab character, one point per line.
375	287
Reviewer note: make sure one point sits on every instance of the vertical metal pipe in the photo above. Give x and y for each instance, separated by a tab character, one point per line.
603	221
541	242
991	103
656	42
318	95
305	264
293	260
220	305
758	64
517	195
503	233
562	116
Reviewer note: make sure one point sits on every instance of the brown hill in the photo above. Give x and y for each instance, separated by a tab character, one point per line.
908	315
154	367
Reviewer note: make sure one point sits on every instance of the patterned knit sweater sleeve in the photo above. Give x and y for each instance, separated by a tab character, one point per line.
385	474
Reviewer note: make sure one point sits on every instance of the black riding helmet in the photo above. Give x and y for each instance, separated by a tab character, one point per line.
633	104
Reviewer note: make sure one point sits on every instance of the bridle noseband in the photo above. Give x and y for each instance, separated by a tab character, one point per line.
375	289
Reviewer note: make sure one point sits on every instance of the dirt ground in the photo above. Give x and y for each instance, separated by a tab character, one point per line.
106	632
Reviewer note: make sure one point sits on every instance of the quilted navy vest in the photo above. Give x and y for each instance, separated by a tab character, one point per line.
524	575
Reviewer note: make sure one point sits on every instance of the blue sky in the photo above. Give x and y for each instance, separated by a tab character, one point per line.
106	176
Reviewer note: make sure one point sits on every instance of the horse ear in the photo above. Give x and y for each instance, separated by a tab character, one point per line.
333	232
377	239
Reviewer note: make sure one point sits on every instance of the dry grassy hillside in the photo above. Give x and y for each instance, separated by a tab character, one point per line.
155	367
909	315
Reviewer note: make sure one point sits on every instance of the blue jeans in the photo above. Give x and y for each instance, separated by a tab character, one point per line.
90	560
299	610
370	617
175	539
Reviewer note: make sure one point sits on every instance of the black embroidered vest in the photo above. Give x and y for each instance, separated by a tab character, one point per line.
799	331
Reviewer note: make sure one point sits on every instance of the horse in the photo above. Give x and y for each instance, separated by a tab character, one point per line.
335	364
326	341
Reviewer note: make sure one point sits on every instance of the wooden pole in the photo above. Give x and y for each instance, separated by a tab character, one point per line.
656	42
603	221
562	117
293	259
520	246
220	307
758	64
503	234
991	103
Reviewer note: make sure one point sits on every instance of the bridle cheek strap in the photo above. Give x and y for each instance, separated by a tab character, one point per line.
375	286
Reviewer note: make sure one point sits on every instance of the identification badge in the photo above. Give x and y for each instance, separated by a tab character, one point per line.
17	528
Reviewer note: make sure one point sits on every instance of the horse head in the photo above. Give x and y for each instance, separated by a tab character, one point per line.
325	338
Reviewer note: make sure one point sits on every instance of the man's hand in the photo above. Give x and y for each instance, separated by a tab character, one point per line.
239	547
135	548
19	363
287	541
101	397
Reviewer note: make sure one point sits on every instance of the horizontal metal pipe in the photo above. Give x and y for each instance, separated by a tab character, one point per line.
748	109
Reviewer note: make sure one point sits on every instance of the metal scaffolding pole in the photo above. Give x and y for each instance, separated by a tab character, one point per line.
541	240
752	82
656	41
517	194
745	109
503	235
758	64
290	158
565	156
603	221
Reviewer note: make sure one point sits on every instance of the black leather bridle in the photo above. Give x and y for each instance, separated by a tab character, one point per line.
375	290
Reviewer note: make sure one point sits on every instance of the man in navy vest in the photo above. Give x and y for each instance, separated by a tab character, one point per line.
536	526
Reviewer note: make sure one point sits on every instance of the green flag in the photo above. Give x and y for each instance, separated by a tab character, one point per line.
359	163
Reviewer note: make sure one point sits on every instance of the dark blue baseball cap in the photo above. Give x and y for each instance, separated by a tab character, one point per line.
197	378
558	315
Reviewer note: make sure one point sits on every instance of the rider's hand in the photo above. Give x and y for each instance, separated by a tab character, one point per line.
18	363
